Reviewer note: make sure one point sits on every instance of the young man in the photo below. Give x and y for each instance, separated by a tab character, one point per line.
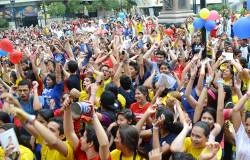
51	137
30	104
90	145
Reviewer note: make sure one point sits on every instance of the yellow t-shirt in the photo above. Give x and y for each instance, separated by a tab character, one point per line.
100	90
122	100
138	28
52	154
26	153
195	152
83	96
115	155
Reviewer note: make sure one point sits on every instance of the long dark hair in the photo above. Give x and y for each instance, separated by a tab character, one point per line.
168	123
144	91
130	138
52	76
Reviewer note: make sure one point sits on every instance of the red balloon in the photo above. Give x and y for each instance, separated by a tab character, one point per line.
15	57
6	45
169	32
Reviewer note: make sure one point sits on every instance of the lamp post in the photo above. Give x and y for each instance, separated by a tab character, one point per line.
203	4
194	6
12	2
45	13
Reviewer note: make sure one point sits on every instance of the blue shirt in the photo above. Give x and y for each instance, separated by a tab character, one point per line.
28	105
53	95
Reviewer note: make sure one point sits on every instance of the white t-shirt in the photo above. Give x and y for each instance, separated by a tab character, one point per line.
242	144
244	51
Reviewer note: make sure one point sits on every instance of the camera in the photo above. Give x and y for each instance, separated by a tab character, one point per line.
80	108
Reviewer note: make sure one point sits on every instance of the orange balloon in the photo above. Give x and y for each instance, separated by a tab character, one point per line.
15	57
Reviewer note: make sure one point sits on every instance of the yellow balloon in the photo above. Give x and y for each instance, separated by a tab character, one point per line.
204	13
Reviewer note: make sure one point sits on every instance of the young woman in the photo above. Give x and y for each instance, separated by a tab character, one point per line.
126	141
196	143
53	90
242	128
142	102
168	130
124	117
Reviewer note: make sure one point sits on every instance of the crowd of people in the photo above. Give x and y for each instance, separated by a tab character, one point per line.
144	91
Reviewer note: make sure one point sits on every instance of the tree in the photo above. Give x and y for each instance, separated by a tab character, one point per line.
75	6
56	9
128	4
107	5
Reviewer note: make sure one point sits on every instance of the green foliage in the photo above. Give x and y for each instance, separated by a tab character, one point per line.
75	6
4	23
106	4
217	7
57	9
128	4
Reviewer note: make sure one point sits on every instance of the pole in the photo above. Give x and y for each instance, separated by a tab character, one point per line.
12	2
203	4
44	12
194	7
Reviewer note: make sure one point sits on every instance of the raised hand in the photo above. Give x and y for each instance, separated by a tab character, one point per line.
155	154
9	98
210	152
151	109
35	85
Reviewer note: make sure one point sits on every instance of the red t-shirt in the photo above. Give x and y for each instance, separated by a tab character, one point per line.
81	155
139	111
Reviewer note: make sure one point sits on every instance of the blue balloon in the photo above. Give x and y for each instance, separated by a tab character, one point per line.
122	15
241	28
198	23
3	53
210	25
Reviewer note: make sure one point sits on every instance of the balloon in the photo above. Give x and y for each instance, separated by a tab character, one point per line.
210	25
169	32
214	15
204	13
3	53
122	15
241	28
15	57
6	45
198	23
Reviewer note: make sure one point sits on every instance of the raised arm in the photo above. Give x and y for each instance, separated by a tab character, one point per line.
102	138
36	103
220	105
58	73
190	98
200	105
45	133
199	86
178	143
140	123
68	124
